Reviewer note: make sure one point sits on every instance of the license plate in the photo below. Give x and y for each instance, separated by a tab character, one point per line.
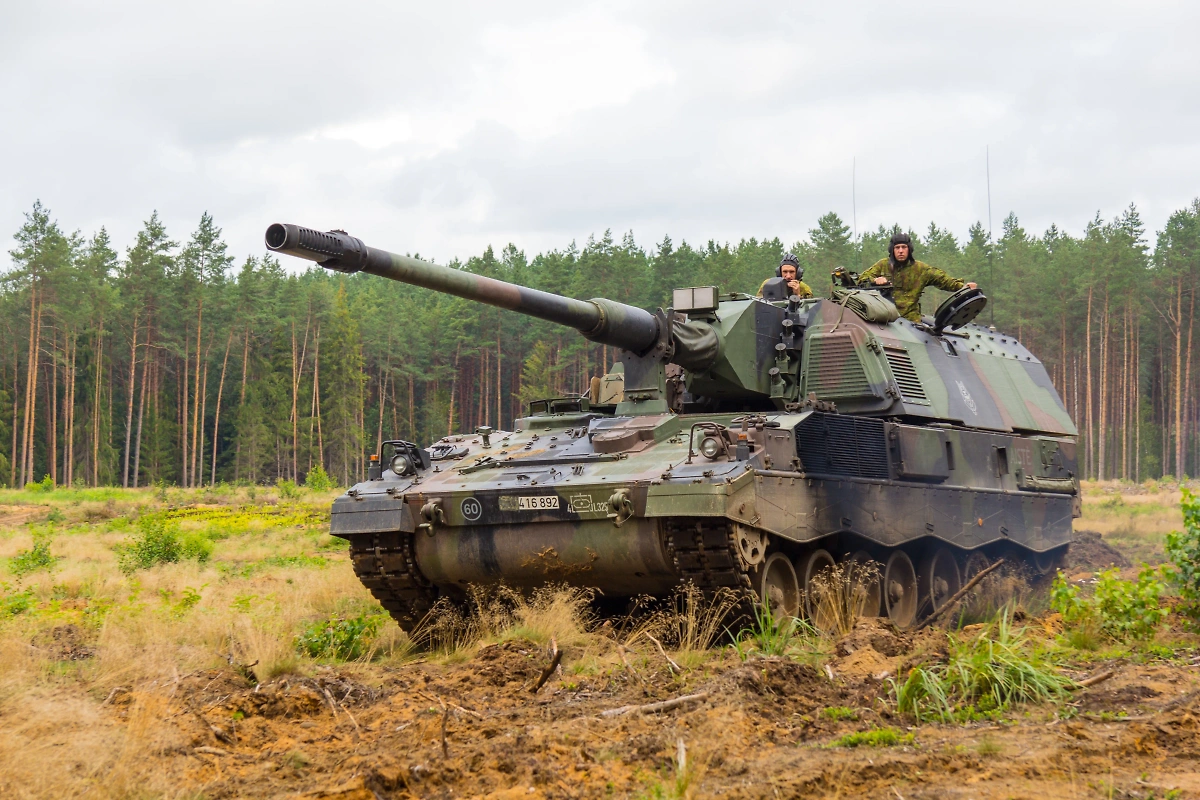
538	502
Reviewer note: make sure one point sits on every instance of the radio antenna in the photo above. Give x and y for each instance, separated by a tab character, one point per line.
854	207
987	155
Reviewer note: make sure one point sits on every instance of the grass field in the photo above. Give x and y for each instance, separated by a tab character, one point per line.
146	636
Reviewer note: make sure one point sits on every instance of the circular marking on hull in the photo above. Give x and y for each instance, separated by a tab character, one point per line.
471	509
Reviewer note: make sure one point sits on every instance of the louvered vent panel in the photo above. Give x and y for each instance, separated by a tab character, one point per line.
835	369
840	444
906	376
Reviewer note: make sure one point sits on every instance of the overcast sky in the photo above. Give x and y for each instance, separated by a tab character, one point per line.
443	127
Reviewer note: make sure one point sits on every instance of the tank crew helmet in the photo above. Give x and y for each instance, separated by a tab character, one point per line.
900	238
789	258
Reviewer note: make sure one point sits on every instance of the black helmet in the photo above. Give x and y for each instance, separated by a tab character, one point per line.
900	238
789	258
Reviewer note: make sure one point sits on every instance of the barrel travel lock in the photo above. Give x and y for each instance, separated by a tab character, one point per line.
620	507
433	514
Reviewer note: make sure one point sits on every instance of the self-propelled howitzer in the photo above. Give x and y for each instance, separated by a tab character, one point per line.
753	443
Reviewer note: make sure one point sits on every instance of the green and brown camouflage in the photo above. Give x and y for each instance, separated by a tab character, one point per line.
908	281
754	442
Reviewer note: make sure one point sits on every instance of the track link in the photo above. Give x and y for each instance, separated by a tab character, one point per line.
705	554
384	563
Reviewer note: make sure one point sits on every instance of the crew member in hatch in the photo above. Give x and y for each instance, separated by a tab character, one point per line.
787	270
908	276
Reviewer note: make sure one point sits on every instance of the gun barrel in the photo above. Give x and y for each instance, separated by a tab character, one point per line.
600	320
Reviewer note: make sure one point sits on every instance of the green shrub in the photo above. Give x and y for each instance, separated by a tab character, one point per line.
983	676
44	485
318	479
839	713
338	637
1183	549
1121	610
878	737
288	490
159	541
15	602
37	557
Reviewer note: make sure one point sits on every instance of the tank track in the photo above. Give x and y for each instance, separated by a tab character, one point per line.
705	555
384	563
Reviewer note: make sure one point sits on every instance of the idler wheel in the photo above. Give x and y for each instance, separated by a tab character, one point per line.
900	589
778	588
1049	561
865	577
940	578
752	545
808	567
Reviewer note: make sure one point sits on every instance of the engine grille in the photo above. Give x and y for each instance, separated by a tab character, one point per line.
835	369
840	444
907	379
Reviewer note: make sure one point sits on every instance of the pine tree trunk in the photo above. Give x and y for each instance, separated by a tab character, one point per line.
52	433
183	408
237	453
1178	380
217	414
1091	437
96	410
129	405
1182	431
137	447
30	381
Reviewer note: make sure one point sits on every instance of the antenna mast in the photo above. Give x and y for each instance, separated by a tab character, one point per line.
854	206
987	155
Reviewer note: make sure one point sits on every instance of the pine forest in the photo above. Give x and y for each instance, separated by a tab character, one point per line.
177	363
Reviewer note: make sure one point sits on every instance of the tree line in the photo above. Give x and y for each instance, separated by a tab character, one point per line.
175	363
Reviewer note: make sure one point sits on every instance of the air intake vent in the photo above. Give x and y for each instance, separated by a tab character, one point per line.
835	369
907	380
840	444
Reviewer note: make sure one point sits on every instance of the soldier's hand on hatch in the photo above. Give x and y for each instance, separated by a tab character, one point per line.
972	285
880	281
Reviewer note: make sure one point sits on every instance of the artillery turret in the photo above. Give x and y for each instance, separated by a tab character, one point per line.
756	442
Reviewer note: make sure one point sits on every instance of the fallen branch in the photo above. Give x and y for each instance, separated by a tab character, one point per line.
113	694
675	668
959	595
211	751
555	657
439	700
221	735
652	708
1092	681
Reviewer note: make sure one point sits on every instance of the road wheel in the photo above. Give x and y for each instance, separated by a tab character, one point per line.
778	588
900	589
807	568
864	576
939	578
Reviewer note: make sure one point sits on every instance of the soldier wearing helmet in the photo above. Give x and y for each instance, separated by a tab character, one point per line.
908	277
789	270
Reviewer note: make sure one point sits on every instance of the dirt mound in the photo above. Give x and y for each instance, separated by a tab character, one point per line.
509	662
1127	698
870	651
303	697
65	643
1089	551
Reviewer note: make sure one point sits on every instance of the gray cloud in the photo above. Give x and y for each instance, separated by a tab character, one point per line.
443	128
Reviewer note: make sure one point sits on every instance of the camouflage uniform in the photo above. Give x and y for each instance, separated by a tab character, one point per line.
909	280
803	292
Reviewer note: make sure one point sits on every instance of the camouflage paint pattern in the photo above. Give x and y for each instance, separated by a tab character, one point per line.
857	434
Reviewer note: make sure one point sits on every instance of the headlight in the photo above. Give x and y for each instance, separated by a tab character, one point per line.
710	447
401	465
